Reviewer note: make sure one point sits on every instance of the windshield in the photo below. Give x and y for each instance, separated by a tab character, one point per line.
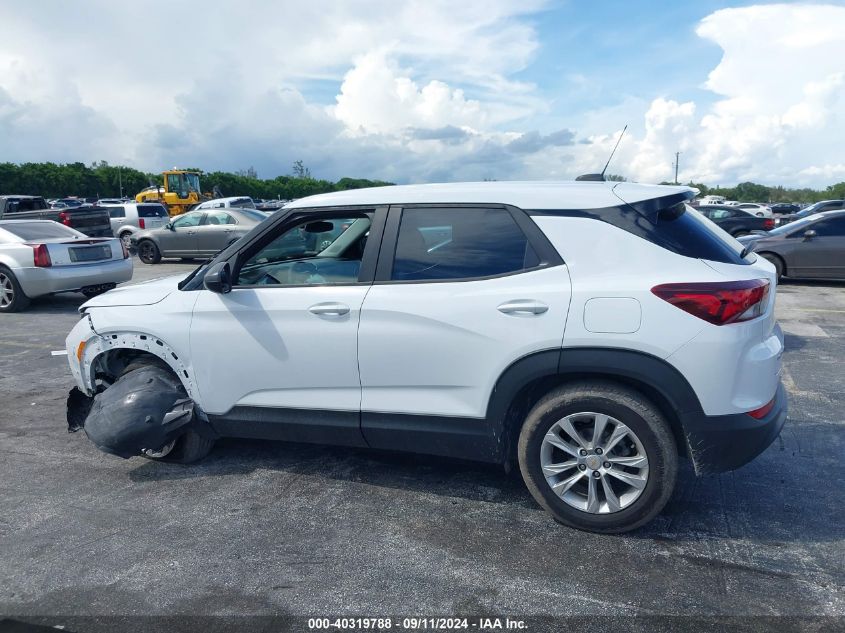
193	182
792	226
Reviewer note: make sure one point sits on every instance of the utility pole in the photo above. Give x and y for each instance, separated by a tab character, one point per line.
677	155
120	180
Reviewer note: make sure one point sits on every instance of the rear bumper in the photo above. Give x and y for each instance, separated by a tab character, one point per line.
42	281
725	442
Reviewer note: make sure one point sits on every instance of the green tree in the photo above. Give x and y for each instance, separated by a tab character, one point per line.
836	191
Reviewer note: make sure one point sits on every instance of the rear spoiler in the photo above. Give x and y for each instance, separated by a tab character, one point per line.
651	207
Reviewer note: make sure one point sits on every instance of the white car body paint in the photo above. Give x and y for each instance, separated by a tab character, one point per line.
264	347
438	348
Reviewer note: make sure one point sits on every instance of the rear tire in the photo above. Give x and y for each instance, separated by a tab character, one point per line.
148	252
126	238
777	262
12	296
639	466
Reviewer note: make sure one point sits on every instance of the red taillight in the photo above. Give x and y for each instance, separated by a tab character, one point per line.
141	223
41	255
64	218
762	412
718	303
768	224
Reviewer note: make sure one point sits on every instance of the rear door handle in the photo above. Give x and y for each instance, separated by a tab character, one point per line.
329	309
191	232
523	307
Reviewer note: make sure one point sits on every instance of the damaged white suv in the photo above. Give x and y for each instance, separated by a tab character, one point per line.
591	332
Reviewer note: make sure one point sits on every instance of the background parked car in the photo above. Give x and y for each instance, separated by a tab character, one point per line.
40	257
813	247
818	207
92	221
736	221
242	202
130	217
785	208
760	210
195	234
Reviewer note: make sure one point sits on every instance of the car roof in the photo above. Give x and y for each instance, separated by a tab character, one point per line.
525	195
13	195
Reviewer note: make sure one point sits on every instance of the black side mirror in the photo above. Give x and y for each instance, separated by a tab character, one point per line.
809	234
218	278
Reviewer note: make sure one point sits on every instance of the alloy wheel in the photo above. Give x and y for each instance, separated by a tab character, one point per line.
7	291
594	463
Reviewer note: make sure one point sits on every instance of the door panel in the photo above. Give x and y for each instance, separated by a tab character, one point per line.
438	348
822	256
211	239
182	238
274	347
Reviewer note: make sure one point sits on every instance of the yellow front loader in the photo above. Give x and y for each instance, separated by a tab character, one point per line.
180	193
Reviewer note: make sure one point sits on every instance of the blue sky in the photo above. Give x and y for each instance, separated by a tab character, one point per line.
421	90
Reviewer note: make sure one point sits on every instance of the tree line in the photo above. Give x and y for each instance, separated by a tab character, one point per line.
755	192
52	180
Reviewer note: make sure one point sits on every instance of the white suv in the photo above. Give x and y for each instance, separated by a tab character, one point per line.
128	218
591	332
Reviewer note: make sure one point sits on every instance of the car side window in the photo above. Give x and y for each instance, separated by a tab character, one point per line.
463	243
832	227
187	220
219	217
117	212
312	252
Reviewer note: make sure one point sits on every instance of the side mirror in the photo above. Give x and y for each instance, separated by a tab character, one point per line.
809	234
169	226
218	278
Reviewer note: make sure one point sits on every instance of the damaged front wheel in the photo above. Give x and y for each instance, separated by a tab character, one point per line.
147	412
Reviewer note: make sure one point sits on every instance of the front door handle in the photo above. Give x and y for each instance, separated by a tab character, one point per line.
523	307
329	309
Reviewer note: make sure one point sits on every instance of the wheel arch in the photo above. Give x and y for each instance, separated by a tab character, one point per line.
780	257
108	354
528	379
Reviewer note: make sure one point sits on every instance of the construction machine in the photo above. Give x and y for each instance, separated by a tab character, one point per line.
180	192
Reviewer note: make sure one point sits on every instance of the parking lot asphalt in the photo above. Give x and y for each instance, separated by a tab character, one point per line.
277	528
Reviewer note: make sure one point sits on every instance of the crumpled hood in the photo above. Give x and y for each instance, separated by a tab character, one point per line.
141	294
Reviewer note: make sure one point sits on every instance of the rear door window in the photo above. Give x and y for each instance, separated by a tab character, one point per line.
832	227
219	217
462	243
117	212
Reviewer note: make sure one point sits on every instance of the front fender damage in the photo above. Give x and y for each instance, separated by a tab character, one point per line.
145	409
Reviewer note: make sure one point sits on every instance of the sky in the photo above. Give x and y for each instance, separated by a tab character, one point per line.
431	90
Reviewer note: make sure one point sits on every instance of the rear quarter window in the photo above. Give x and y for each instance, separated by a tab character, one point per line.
151	211
678	228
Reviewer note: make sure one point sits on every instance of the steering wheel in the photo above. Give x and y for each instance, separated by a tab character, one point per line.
305	273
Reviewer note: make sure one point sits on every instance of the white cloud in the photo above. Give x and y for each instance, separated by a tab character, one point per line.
425	90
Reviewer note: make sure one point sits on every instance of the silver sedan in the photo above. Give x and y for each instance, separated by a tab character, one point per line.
41	257
201	233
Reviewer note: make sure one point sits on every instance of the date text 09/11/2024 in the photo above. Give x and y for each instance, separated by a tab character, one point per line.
417	623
